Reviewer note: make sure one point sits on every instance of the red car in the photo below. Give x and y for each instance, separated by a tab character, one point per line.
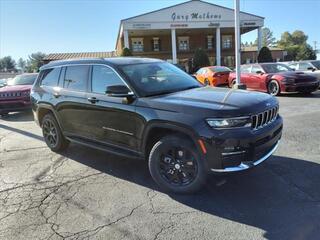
15	96
275	78
213	75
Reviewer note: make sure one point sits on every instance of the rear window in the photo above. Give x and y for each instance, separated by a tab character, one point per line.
220	69
76	78
50	77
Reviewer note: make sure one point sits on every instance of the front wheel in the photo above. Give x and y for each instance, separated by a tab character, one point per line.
206	82
52	134
273	88
176	166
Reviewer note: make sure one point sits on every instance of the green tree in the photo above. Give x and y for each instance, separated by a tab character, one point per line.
200	59
296	46
267	38
7	64
35	61
265	55
126	52
21	64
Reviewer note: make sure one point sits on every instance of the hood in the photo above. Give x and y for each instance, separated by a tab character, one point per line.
218	101
295	75
16	88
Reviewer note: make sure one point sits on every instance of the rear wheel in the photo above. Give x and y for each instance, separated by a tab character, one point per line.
52	134
273	88
176	165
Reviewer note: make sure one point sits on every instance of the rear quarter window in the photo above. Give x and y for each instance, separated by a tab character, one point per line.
50	77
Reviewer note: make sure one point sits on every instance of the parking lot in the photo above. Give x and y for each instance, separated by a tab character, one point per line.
88	194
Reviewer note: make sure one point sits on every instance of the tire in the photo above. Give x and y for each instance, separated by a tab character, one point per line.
52	134
206	82
176	166
274	88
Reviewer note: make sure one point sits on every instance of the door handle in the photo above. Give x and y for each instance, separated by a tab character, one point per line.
93	99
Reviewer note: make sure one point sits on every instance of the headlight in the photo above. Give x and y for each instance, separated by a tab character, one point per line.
229	122
289	80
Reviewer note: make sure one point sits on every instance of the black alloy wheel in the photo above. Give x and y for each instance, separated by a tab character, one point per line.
273	88
52	134
176	165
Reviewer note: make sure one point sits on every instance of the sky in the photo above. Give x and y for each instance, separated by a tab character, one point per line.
28	26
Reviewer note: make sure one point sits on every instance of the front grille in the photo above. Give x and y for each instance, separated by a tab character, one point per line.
10	94
264	118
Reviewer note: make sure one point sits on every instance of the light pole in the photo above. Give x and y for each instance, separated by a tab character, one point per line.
238	84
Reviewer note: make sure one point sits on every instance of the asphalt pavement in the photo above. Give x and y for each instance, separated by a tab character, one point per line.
89	194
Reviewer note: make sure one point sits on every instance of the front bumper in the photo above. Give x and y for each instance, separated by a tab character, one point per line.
246	165
301	87
15	105
240	149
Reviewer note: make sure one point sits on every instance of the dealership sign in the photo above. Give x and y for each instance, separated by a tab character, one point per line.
195	16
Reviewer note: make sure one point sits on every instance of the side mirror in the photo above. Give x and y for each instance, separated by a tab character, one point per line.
311	69
293	69
118	91
259	72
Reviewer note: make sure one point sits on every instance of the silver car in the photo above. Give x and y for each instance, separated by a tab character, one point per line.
309	66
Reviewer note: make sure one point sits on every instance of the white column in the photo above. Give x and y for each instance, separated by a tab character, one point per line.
238	39
259	38
218	46
174	46
126	38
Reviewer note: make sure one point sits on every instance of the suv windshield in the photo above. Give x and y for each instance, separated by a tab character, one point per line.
23	80
316	64
275	68
158	78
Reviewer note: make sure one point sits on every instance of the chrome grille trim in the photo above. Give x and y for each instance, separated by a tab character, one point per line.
264	118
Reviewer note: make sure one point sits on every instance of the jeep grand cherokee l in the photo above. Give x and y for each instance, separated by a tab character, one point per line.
150	109
15	95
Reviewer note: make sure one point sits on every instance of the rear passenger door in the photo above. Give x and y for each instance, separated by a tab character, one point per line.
110	120
72	99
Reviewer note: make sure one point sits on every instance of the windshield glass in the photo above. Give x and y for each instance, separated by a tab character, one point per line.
23	80
158	78
316	64
276	68
220	69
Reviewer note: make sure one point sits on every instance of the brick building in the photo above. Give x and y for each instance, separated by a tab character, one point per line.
173	33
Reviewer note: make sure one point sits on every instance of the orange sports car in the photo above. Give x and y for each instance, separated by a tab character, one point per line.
213	75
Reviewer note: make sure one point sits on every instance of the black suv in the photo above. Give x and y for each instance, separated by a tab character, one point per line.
150	109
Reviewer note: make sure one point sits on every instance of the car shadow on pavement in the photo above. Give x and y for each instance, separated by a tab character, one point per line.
301	95
22	132
25	116
281	196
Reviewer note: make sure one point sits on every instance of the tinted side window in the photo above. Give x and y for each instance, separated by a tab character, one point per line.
304	66
255	69
76	78
50	77
245	69
102	77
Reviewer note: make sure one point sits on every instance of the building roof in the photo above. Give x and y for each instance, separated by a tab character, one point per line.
255	49
60	56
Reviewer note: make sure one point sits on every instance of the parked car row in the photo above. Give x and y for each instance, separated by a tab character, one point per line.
272	78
